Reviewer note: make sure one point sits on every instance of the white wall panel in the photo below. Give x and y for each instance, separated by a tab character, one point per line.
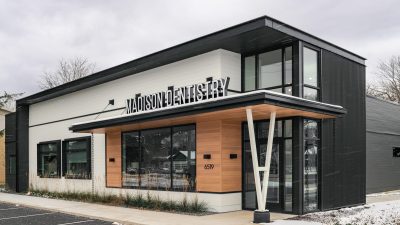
218	63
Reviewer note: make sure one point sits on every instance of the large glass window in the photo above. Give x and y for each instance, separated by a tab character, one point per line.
310	74
77	158
156	163
311	149
270	71
167	158
130	159
184	157
48	159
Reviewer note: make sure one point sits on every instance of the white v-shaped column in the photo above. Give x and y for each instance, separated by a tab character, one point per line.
261	191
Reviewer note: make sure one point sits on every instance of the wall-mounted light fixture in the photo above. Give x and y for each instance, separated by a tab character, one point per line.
207	156
233	156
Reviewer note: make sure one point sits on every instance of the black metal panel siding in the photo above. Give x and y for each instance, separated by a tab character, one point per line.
10	144
383	133
343	139
22	148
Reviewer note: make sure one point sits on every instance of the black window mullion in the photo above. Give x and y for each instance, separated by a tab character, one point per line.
283	69
171	158
140	159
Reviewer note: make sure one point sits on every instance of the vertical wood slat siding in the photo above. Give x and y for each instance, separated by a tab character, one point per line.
220	139
113	150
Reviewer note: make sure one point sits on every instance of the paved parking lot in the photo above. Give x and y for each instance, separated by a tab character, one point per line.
20	215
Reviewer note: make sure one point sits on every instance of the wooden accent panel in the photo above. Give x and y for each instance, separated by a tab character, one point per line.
113	169
219	138
231	143
208	141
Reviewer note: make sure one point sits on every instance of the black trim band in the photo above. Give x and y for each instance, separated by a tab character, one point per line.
76	117
229	103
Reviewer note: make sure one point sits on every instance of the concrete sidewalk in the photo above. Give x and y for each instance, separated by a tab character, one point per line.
136	216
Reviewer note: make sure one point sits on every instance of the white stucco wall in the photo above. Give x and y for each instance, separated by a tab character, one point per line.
218	63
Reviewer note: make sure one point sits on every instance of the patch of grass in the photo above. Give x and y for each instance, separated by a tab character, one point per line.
135	201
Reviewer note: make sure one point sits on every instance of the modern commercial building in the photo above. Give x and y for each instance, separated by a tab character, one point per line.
179	122
383	145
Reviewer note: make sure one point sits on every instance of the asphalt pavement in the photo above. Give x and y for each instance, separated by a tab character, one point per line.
12	214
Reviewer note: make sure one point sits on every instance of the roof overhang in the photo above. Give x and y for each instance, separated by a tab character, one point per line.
231	108
260	33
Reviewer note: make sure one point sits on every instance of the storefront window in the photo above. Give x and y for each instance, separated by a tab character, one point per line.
168	158
184	157
77	158
311	149
269	71
130	159
48	159
156	163
310	74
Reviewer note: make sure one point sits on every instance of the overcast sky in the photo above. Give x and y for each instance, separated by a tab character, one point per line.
34	35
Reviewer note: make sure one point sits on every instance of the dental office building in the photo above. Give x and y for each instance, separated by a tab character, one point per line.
174	124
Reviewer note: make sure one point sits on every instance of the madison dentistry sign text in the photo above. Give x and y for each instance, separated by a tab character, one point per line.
178	96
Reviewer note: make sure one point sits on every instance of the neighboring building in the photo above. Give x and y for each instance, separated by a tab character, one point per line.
383	145
175	124
3	113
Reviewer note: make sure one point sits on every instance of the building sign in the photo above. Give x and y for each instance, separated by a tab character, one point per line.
178	96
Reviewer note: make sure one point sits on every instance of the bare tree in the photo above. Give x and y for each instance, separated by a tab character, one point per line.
67	71
388	85
7	100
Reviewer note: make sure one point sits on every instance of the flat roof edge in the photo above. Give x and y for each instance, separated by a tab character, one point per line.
240	100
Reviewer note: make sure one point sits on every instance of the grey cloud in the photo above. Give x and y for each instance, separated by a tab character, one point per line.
34	35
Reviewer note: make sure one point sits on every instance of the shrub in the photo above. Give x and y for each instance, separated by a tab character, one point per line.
134	201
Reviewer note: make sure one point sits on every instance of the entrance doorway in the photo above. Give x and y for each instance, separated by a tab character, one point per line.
279	197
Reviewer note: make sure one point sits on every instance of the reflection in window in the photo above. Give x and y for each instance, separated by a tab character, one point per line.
288	65
184	158
156	165
130	159
77	158
288	174
48	159
310	67
168	158
310	93
270	69
310	74
250	73
311	148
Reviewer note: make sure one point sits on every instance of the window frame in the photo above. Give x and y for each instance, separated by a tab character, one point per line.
171	165
256	56
59	163
318	87
88	140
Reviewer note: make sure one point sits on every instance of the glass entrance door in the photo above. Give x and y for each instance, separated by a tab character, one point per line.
277	187
275	176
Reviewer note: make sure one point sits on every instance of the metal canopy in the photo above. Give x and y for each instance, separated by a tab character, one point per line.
231	107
